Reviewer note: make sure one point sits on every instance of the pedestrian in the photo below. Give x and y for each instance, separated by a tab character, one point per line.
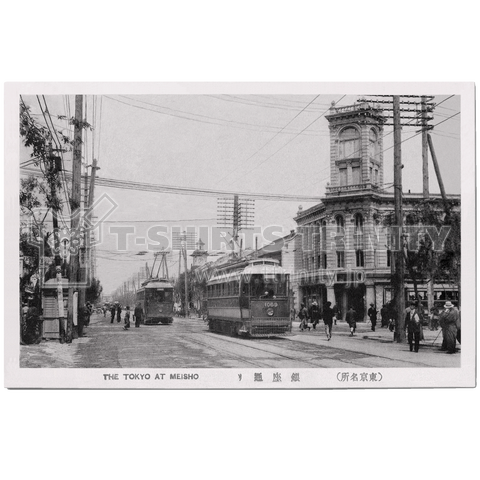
351	320
414	327
138	314
314	314
408	310
303	316
384	315
113	309
88	313
372	314
448	321
104	309
328	319
127	318
119	312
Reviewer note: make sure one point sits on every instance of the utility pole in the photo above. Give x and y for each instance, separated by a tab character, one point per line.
88	216
399	284
426	193
184	242
236	213
75	222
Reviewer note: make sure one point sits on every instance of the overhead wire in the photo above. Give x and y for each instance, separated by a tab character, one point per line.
287	143
270	140
216	122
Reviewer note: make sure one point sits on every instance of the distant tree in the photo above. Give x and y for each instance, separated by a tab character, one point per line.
424	263
94	291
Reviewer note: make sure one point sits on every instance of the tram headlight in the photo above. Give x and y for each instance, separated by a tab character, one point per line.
270	312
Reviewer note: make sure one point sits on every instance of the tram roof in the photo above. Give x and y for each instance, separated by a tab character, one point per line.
157	283
263	266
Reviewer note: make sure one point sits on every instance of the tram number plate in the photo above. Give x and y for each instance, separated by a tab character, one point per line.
271	304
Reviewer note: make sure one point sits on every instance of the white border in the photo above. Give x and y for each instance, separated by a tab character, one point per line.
17	377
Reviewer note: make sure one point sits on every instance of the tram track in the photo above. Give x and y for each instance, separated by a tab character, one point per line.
243	343
296	351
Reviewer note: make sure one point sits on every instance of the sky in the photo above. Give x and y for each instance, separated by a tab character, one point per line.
262	143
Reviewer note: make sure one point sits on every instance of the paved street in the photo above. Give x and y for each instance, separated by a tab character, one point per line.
187	343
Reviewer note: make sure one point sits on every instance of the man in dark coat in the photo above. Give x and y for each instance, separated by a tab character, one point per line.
328	319
119	312
414	327
138	314
350	318
113	309
372	314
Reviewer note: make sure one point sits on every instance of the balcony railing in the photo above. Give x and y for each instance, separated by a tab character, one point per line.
356	108
351	188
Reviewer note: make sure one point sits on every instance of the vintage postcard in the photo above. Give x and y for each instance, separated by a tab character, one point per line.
240	235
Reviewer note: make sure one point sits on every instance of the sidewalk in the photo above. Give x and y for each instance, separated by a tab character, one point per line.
380	343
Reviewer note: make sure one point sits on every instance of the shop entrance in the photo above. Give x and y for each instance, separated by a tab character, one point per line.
352	296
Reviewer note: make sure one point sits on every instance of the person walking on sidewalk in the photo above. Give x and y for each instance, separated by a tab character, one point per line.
127	318
303	316
119	312
414	327
113	309
328	319
372	314
138	314
351	320
314	314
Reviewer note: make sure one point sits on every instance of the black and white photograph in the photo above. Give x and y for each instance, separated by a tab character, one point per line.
277	235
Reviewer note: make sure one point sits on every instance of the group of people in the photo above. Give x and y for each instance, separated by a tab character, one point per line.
313	315
116	311
448	320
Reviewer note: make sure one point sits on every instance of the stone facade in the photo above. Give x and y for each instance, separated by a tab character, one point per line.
342	248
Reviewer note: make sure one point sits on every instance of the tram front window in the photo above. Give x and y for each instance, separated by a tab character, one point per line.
160	296
268	286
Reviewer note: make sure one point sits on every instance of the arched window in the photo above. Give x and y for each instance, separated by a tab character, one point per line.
358	223
349	144
358	233
339	222
373	144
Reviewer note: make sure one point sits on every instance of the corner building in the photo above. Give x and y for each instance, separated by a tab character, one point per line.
342	249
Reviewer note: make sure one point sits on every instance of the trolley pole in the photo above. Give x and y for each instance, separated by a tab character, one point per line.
399	277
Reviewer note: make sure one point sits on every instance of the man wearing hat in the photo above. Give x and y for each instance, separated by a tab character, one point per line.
372	314
448	322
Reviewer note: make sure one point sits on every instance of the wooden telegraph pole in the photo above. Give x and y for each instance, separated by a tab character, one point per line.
75	222
398	191
426	192
184	241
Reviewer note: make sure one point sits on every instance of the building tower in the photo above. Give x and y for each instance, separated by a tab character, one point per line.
356	147
199	255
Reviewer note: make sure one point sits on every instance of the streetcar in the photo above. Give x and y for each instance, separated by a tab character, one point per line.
156	298
249	298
